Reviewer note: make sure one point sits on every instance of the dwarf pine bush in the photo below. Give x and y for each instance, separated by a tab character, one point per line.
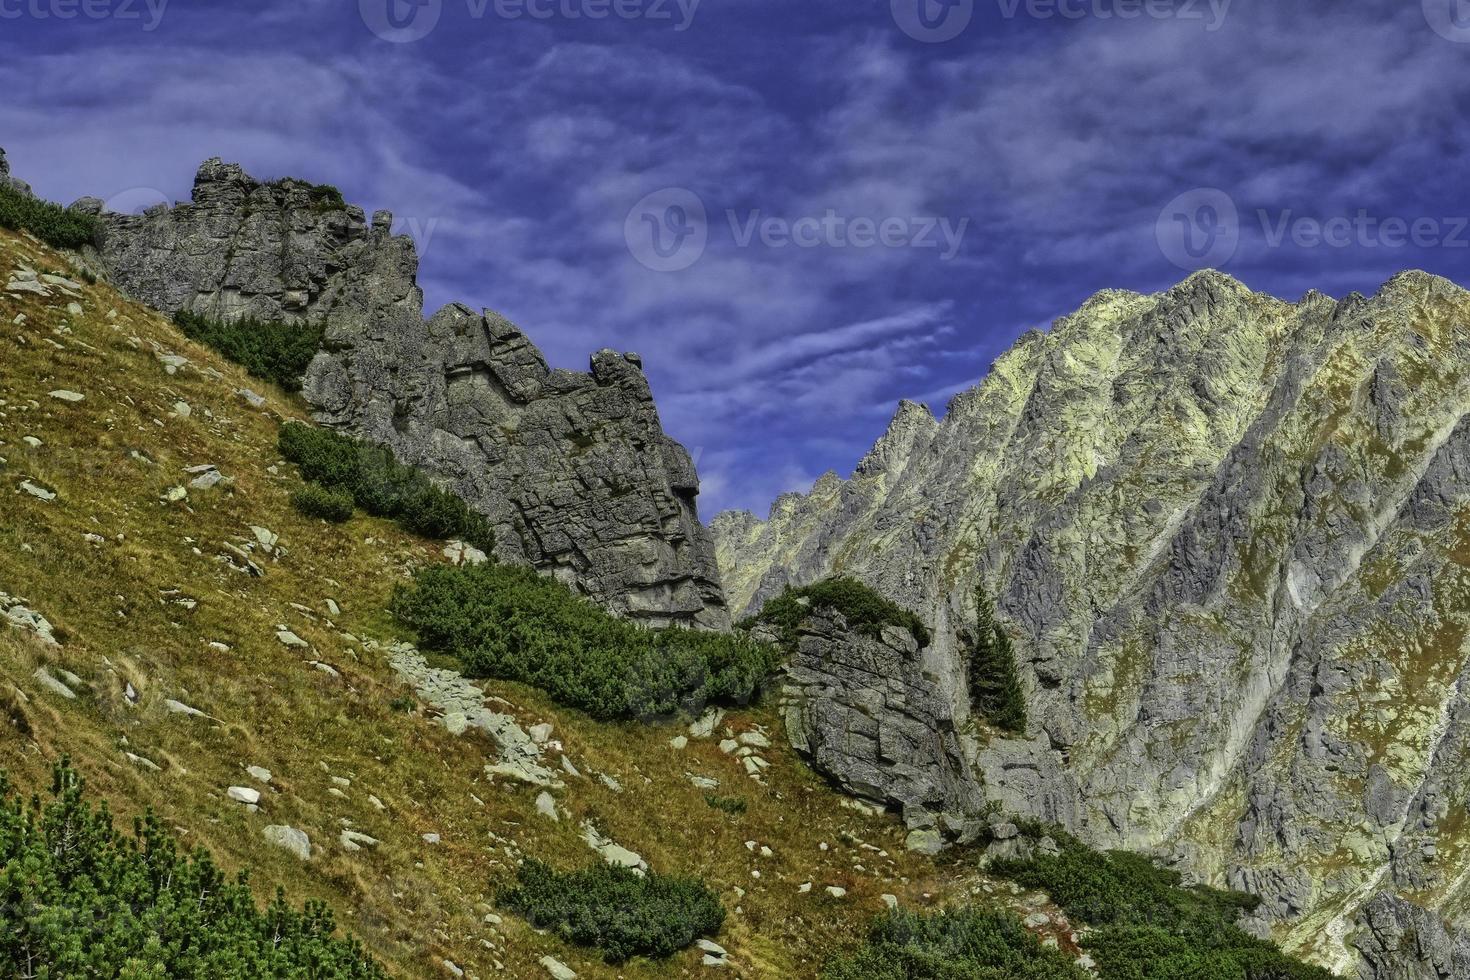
274	351
865	610
512	624
960	944
1146	924
51	223
79	899
382	486
315	500
615	910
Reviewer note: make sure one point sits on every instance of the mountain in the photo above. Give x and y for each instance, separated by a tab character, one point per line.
199	648
574	469
1229	537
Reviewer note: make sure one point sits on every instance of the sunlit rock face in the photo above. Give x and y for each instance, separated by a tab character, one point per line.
1229	536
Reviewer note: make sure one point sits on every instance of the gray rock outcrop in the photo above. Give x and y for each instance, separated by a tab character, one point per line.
1401	941
1229	536
865	713
574	469
13	183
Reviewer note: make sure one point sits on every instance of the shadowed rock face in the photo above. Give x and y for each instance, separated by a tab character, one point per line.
1230	537
574	469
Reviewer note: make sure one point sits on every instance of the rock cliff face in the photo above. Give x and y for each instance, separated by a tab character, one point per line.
1230	536
867	714
574	469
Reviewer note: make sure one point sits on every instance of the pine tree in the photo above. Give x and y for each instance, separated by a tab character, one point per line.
995	690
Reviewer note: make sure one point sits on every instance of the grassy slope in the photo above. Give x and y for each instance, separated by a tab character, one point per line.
415	904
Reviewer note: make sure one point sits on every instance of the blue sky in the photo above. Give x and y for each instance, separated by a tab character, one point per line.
888	200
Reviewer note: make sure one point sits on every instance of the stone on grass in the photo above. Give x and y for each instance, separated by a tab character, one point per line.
39	492
351	840
44	678
243	794
546	806
258	772
558	969
66	395
705	726
290	639
290	839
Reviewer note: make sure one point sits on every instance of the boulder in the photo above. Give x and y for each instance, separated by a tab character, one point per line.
290	839
862	710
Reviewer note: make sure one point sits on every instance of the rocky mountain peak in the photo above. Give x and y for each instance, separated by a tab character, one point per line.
1225	535
573	468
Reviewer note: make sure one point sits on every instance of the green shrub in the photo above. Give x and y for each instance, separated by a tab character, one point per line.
315	500
51	223
79	899
271	350
1147	925
865	610
615	910
967	944
382	486
513	624
995	691
733	805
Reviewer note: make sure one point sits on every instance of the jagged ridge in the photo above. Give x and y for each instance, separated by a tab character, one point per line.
1228	534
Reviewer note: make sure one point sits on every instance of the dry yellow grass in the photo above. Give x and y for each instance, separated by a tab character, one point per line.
114	598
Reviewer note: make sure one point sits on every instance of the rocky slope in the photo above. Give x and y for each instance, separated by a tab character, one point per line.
1230	536
195	645
574	469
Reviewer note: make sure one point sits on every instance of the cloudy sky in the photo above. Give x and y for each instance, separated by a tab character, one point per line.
798	211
